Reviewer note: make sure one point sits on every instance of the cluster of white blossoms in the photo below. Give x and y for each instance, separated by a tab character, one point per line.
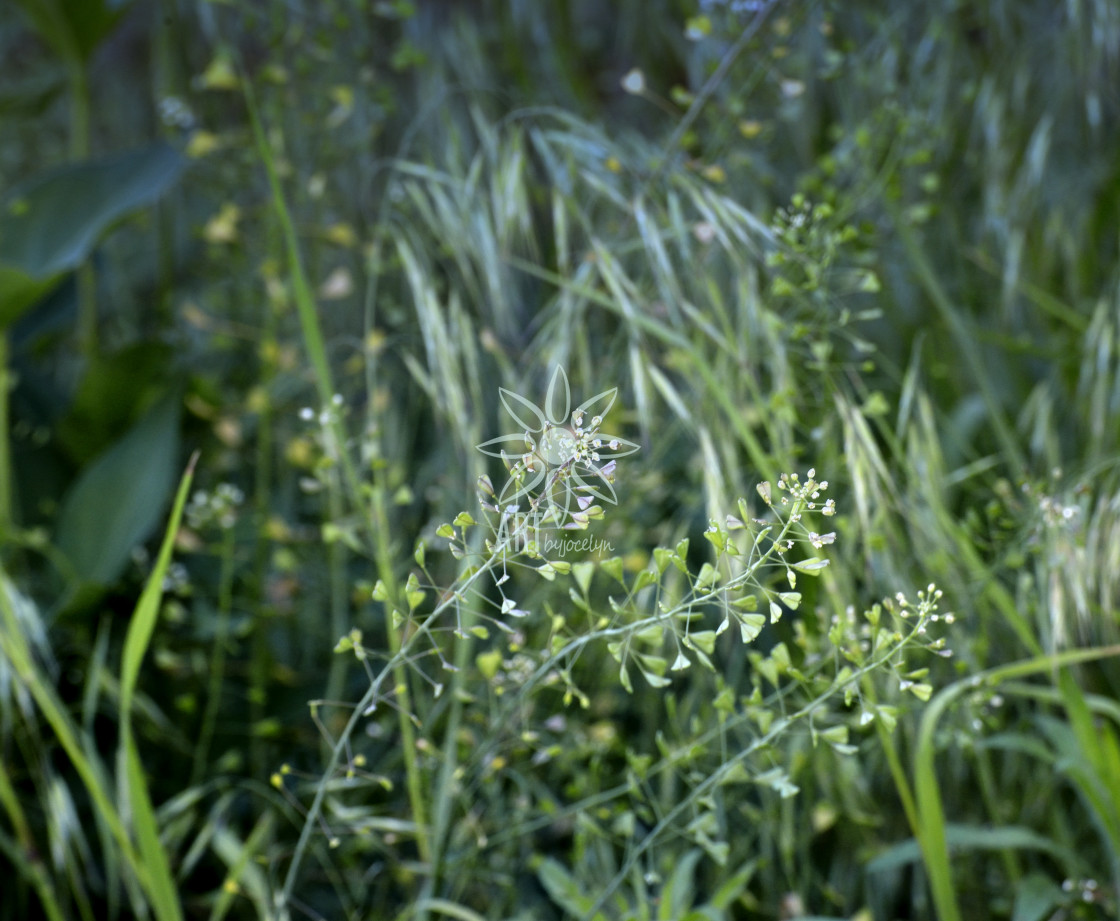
215	508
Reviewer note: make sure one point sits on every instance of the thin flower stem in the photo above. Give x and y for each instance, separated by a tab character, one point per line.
397	661
217	660
714	779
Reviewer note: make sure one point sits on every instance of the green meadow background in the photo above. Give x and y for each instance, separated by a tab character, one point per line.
264	266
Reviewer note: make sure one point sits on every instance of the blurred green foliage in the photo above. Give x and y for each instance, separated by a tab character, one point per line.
310	241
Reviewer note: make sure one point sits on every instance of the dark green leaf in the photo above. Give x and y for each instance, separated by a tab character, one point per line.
1036	897
563	888
50	223
120	497
114	393
19	292
74	28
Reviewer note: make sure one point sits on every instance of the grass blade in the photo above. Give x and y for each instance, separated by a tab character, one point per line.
160	882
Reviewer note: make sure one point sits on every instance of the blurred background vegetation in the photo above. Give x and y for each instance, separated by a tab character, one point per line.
309	241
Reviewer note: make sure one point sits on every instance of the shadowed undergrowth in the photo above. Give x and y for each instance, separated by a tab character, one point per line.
871	248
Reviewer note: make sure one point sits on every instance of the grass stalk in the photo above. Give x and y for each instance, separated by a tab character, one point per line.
315	347
380	535
735	763
398	645
14	646
6	491
259	655
24	852
932	835
80	148
145	858
966	342
161	884
396	661
887	741
217	658
445	781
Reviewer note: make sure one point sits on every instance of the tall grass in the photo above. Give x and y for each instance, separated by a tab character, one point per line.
870	242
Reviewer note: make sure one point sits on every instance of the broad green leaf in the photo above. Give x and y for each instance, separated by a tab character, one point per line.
50	223
74	28
120	497
19	292
114	392
1036	898
974	838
